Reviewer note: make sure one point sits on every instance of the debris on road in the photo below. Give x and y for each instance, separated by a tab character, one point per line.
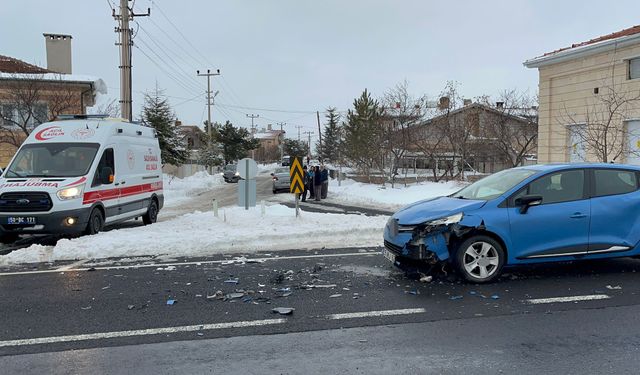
335	295
283	310
426	279
495	296
453	298
232	281
235	295
414	292
168	268
217	295
91	269
130	307
171	302
86	308
617	287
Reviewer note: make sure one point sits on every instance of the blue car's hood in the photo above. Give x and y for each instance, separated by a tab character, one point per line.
432	209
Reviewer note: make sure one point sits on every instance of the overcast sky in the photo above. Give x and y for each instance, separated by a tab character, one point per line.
294	57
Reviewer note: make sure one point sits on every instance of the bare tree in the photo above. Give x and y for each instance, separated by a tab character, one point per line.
601	131
29	101
110	108
511	126
401	111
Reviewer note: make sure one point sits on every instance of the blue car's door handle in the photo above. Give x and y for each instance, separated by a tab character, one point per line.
578	215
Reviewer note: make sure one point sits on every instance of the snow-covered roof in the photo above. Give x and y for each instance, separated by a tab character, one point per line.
267	135
99	86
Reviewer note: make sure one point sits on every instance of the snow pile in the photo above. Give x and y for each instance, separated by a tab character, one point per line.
202	234
264	168
177	190
356	193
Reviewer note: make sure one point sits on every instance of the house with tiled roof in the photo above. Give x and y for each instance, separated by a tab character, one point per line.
31	95
269	149
589	100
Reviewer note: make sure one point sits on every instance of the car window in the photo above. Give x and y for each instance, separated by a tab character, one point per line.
106	161
282	170
559	187
614	181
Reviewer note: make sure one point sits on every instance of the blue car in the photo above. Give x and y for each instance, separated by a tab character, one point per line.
524	215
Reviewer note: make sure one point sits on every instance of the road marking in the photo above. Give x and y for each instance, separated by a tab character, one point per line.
140	332
73	265
202	262
369	314
591	297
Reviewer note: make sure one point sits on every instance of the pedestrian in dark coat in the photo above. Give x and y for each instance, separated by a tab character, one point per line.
324	175
305	179
317	183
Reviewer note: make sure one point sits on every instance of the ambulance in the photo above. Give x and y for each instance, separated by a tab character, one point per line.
76	175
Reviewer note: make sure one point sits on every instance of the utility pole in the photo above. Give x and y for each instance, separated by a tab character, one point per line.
125	43
319	130
208	74
299	127
253	130
281	139
309	145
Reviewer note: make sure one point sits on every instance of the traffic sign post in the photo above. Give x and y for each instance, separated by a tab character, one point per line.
296	176
247	170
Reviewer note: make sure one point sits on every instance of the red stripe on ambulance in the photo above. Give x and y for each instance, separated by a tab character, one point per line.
103	195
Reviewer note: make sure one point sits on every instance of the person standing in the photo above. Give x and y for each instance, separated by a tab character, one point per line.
317	183
305	180
324	176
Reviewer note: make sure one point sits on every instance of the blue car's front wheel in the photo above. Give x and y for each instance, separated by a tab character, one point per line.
479	259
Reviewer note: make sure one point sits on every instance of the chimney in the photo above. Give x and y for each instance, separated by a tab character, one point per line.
58	53
178	122
269	127
467	101
499	105
443	103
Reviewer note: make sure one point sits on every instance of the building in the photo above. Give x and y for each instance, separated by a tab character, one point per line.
193	139
31	95
476	137
270	147
589	97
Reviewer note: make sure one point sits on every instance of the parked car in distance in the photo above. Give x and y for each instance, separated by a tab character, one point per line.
281	180
524	215
286	161
230	173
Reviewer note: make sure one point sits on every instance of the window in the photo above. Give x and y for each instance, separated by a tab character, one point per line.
614	181
495	185
634	68
106	161
559	187
53	160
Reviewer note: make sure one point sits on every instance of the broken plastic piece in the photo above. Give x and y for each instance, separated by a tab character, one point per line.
495	296
130	307
232	281
283	310
335	295
171	302
453	298
617	287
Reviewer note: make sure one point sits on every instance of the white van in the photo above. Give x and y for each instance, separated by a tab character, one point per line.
76	175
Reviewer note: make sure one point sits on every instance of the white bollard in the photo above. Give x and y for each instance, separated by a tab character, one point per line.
262	208
215	208
224	215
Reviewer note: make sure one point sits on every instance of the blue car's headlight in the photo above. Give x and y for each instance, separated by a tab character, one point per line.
446	220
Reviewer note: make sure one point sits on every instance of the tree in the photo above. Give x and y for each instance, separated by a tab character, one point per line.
157	113
235	141
295	148
28	101
329	151
512	127
362	134
401	112
601	132
209	153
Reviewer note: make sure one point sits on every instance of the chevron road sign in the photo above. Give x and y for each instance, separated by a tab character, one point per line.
296	176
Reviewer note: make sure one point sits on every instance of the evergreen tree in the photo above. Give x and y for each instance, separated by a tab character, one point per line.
295	148
157	113
363	135
331	138
235	141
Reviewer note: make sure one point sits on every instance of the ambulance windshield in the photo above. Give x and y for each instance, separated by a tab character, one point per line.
53	160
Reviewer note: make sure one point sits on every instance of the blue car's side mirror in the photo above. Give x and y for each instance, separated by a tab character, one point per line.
527	201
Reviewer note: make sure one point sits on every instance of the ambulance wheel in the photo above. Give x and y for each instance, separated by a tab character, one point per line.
9	238
96	222
152	214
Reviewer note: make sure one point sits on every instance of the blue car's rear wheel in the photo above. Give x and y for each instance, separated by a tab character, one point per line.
479	259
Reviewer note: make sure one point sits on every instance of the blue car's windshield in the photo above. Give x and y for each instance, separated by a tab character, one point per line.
495	185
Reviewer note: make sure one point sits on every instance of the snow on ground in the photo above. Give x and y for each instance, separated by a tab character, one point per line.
356	193
178	190
201	234
264	168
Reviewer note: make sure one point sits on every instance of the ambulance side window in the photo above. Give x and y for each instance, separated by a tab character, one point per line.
106	161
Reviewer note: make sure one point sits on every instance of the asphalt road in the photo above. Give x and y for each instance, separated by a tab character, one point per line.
353	314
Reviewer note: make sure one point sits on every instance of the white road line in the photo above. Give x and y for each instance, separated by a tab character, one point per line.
139	332
591	297
148	265
369	314
73	265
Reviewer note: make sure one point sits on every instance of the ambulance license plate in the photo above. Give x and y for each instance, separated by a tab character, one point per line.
391	257
21	220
